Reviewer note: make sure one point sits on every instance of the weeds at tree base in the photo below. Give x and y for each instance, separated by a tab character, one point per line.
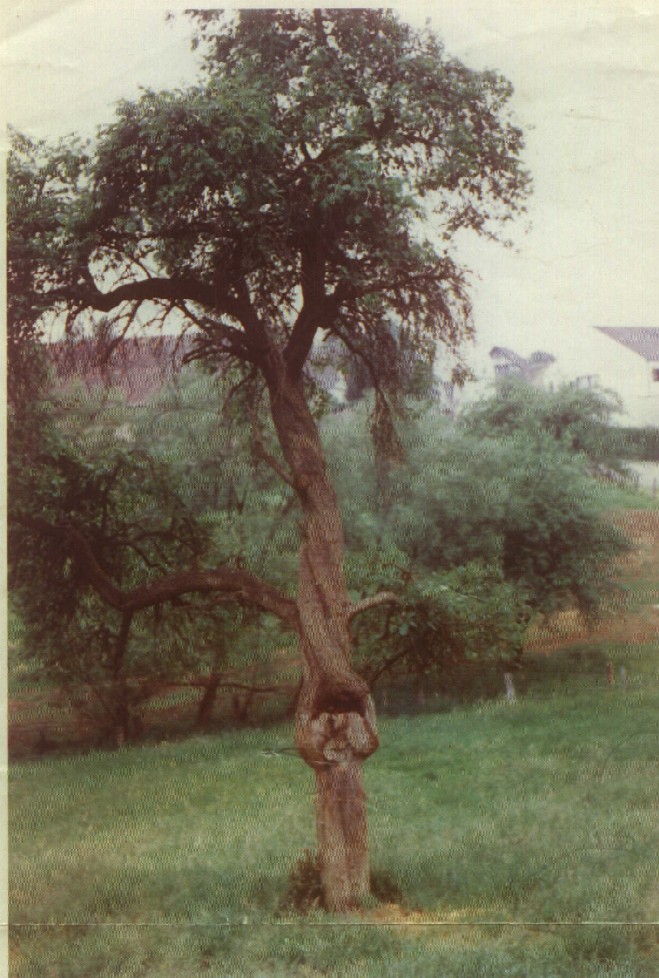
384	887
305	892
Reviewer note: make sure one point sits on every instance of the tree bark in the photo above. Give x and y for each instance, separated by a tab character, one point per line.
207	702
335	717
121	707
342	835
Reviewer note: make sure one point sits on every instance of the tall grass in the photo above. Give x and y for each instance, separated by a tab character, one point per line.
520	835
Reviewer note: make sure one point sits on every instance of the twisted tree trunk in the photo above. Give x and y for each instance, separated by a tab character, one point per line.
121	710
335	717
207	702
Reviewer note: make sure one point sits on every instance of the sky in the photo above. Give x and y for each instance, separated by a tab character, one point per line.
586	79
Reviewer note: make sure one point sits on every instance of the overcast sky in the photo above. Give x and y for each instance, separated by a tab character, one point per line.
586	78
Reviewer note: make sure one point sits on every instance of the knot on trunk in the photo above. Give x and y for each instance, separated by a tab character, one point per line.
336	724
336	699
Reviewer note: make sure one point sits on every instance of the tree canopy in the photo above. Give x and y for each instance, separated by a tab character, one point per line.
314	180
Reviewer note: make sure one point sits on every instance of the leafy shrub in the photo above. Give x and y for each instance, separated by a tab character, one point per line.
443	618
577	419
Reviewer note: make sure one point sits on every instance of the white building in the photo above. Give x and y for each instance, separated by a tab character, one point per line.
532	370
625	359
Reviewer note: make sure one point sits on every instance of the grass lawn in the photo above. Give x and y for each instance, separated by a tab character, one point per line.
521	837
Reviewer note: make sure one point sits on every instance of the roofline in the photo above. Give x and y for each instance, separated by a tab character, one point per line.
609	331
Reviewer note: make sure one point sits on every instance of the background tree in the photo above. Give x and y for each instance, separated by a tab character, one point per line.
142	484
579	419
515	517
41	178
121	507
485	534
444	621
311	182
525	507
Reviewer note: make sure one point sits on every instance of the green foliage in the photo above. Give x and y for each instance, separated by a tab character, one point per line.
41	180
125	505
211	432
414	370
524	505
443	618
479	535
578	419
291	190
153	490
516	522
310	160
207	432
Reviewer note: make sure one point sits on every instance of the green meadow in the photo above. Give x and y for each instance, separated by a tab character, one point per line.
521	838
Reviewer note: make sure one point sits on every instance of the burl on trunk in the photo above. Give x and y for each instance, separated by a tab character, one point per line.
335	744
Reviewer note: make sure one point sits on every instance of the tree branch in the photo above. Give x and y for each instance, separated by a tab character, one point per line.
300	341
262	451
175	289
236	342
243	587
374	601
386	665
315	307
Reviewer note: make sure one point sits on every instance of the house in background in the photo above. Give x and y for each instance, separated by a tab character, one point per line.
138	367
532	370
626	360
623	359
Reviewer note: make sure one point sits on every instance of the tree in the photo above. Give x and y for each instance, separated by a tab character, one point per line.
579	419
444	619
485	533
84	458
523	502
310	184
121	507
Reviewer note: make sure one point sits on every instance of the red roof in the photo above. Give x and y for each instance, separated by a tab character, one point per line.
138	366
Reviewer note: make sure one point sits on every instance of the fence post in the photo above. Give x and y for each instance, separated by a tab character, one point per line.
510	687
